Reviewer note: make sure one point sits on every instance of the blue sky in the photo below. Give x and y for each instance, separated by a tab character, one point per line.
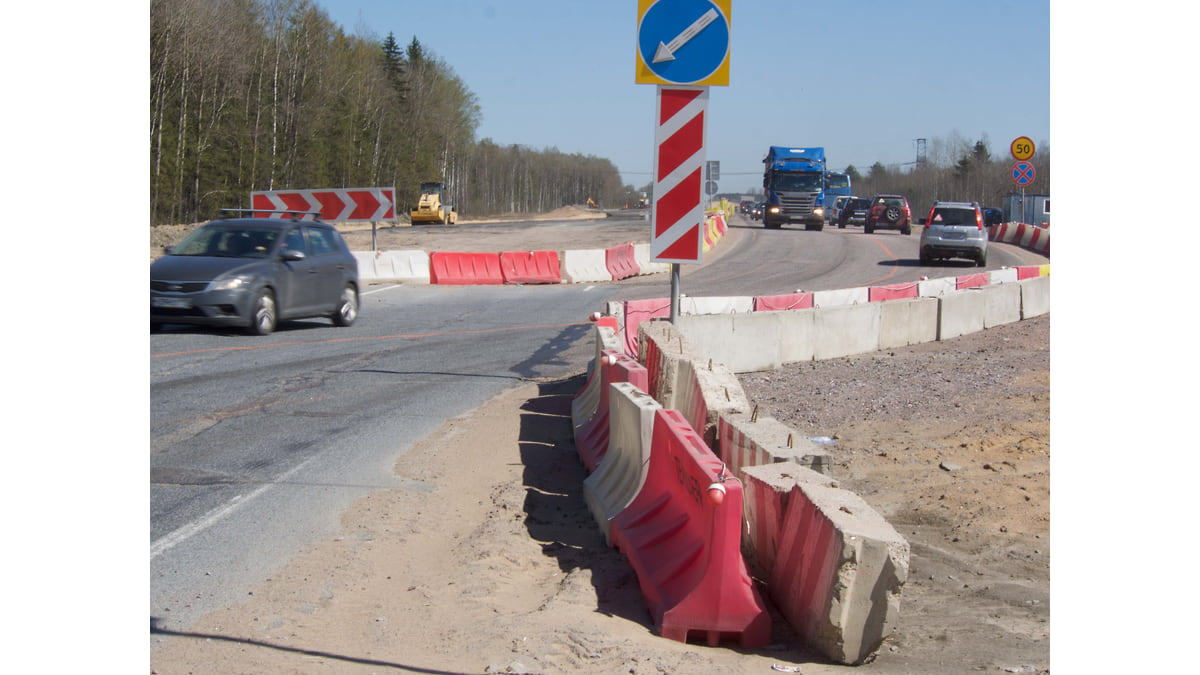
862	78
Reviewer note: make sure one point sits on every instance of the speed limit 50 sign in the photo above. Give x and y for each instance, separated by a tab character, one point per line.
1022	148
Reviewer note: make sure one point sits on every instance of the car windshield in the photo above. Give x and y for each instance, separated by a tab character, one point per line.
859	203
947	216
228	242
797	182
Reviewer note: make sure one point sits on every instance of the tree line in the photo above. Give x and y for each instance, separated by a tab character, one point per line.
251	95
954	169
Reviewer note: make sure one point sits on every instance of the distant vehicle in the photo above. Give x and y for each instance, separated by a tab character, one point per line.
889	212
431	208
837	186
745	206
834	212
756	211
954	230
253	273
854	212
794	179
992	216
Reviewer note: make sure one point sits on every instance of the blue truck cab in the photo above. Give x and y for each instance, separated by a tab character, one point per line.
794	183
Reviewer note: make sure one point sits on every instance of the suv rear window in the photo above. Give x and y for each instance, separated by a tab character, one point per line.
953	216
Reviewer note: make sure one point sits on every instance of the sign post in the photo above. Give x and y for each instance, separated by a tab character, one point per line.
683	48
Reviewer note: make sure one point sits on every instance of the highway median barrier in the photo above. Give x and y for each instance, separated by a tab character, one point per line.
836	568
584	405
579	266
460	269
530	267
622	471
620	262
682	535
591	438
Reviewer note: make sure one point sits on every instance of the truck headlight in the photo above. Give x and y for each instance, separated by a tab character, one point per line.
818	211
773	209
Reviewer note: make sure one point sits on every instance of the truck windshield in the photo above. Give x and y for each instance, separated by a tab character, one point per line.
796	182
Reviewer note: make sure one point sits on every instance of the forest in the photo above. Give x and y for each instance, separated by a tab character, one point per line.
251	95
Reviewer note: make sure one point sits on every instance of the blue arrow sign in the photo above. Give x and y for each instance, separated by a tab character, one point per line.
683	41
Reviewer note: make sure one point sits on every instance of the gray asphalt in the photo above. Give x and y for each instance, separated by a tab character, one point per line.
258	444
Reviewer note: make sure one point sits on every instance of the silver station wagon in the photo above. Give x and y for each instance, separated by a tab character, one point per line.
954	230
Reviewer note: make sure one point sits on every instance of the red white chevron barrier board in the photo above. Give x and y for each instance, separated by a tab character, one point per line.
678	213
335	205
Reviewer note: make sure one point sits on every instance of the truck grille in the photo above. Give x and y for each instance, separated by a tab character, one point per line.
798	204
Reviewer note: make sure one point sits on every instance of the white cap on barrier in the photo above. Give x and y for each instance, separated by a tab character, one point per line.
594	317
609	360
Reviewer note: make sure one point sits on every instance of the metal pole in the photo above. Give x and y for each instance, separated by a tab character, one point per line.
674	293
373	246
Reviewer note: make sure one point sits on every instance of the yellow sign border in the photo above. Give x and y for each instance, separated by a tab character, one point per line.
719	77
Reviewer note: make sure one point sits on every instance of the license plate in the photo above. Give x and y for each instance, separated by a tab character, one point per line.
954	235
171	303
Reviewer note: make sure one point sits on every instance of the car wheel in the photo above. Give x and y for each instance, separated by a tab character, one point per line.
981	261
892	214
925	260
907	229
262	319
347	310
868	229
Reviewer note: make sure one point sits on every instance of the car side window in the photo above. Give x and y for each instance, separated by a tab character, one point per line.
295	241
320	241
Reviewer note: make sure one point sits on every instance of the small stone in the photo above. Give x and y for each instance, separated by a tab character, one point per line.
949	466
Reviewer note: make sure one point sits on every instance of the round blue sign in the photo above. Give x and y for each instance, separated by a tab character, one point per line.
683	41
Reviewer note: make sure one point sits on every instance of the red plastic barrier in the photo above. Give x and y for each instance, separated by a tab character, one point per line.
464	268
637	311
893	292
1028	272
776	303
591	439
685	545
620	261
530	267
971	280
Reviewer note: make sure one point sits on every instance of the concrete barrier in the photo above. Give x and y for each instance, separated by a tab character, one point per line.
1004	276
841	298
799	335
971	281
1002	304
682	379
622	471
838	567
842	331
744	342
961	313
585	265
750	440
716	305
1035	296
932	288
641	255
903	323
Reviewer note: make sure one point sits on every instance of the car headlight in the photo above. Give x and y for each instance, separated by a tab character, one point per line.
230	284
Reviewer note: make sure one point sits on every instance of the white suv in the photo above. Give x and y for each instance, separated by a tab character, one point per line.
954	230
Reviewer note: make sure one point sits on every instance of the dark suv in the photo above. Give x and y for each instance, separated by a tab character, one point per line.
854	212
954	230
889	211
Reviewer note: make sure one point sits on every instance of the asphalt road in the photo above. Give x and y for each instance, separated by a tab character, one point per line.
258	444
